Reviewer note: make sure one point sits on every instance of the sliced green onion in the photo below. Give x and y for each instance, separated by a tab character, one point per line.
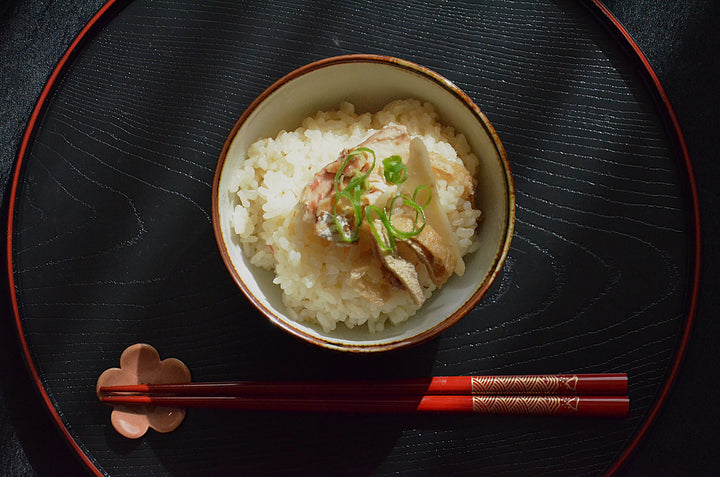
396	173
394	170
390	245
352	193
355	180
419	212
357	217
417	191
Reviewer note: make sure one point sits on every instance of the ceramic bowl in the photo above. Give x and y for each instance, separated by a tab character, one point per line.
370	82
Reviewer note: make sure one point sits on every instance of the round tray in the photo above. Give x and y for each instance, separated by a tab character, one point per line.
110	241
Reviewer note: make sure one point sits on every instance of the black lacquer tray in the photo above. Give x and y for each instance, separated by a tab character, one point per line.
110	240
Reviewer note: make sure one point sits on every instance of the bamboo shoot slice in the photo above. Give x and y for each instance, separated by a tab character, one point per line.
420	173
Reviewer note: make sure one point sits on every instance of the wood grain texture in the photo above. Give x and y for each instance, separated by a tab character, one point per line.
113	244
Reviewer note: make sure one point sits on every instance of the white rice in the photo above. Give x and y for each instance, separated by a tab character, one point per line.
312	272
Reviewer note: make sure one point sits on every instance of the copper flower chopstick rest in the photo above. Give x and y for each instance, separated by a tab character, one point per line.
147	392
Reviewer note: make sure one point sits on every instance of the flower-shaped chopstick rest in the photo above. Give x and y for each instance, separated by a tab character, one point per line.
141	364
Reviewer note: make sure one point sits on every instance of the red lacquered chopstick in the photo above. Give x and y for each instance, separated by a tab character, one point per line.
554	384
600	406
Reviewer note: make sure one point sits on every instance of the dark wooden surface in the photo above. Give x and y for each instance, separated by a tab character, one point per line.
680	40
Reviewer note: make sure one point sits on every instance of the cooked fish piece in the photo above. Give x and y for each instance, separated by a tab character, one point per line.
424	252
317	198
406	273
403	273
429	249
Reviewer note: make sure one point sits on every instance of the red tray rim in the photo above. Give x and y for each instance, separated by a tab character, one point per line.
615	28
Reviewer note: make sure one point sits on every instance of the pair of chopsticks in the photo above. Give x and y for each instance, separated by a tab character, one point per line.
566	394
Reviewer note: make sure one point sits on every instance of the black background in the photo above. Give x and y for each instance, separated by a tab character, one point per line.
679	38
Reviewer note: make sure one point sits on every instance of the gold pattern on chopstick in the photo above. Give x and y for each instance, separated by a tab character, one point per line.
522	384
527	405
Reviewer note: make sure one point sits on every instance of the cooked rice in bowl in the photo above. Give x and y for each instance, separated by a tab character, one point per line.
328	282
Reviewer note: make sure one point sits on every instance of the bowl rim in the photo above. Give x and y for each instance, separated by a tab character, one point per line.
479	292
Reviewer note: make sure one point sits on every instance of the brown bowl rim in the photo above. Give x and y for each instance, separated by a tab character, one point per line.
462	310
